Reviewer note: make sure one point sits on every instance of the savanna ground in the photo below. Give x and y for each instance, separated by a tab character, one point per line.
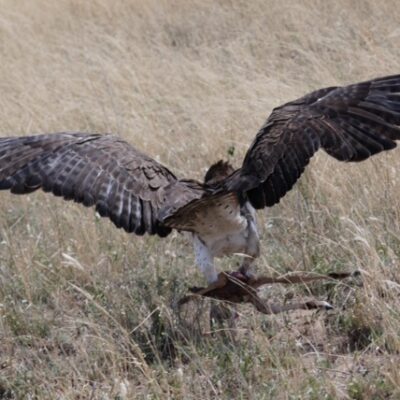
86	309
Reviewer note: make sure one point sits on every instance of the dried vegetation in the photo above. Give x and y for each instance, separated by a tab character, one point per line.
86	311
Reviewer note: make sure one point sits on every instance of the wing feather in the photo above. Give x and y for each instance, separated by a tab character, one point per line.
350	123
96	170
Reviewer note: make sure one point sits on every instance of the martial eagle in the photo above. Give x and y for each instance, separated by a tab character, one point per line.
140	195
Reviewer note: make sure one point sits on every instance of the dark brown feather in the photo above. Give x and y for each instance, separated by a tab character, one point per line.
102	171
350	123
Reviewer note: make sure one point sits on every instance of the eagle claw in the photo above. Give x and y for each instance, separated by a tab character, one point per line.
230	286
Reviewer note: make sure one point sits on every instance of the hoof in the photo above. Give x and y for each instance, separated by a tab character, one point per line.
315	304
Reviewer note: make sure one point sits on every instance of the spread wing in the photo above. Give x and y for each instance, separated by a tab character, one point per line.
95	170
350	123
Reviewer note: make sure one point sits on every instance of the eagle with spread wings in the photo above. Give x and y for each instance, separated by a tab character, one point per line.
140	195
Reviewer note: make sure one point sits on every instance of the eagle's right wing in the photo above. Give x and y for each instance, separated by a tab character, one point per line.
97	170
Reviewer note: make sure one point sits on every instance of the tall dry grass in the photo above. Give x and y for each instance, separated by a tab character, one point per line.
86	310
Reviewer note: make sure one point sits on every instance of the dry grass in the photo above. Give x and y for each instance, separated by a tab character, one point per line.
86	309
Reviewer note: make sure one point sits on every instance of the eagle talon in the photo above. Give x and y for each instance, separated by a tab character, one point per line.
230	286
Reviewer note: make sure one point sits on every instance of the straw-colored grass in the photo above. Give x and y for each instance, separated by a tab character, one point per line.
87	310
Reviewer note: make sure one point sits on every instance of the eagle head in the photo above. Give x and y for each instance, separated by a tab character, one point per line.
218	171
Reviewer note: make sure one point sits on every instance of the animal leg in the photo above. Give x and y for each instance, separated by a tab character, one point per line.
267	308
299	278
247	267
205	260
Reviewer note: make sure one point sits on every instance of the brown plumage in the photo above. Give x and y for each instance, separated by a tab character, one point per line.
350	123
140	195
217	172
102	171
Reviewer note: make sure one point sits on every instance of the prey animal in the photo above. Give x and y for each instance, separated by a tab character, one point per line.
140	195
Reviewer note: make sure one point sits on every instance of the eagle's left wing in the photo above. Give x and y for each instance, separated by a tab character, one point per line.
350	123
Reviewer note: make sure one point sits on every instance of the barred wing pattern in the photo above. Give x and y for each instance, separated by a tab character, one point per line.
102	171
350	123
